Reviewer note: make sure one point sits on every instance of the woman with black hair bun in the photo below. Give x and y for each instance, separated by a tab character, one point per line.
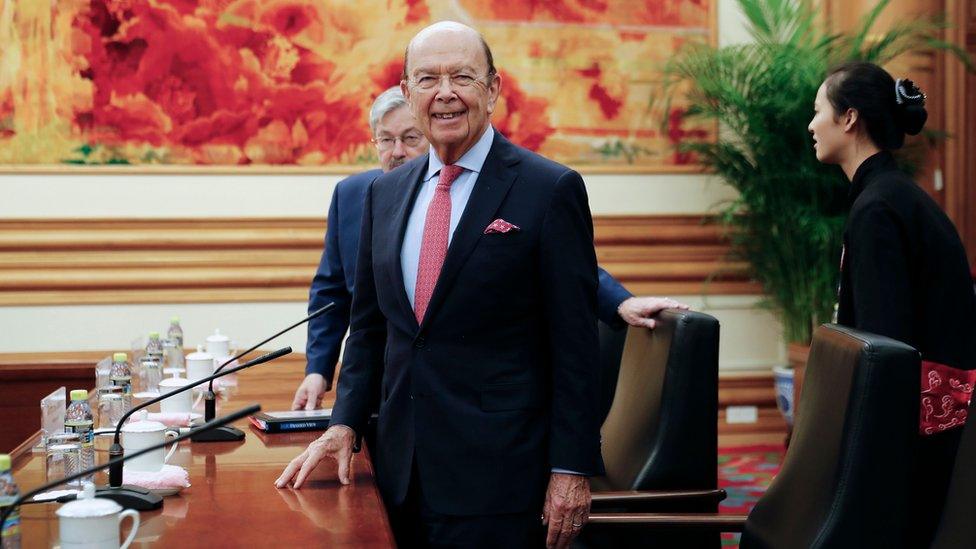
904	271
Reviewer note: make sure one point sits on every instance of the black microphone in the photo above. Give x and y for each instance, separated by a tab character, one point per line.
227	432
233	434
218	422
133	497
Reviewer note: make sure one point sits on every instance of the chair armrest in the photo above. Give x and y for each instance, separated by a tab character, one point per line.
634	497
668	521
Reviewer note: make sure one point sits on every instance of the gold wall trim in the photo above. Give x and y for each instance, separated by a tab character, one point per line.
110	261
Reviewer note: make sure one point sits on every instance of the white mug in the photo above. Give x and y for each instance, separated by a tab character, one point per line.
181	403
199	365
218	345
93	523
143	434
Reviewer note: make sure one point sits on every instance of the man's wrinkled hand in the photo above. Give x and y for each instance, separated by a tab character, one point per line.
335	443
637	311
310	392
567	508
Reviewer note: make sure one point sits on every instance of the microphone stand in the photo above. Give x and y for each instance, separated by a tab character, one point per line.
216	423
135	497
230	433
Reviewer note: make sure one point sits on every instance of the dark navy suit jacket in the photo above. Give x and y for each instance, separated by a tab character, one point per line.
499	384
335	278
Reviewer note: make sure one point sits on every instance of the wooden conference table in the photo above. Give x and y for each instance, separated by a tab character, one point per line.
232	501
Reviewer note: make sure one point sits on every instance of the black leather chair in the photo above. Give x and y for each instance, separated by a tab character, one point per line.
660	435
956	529
846	477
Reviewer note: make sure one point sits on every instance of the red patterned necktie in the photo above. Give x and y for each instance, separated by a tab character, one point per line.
433	247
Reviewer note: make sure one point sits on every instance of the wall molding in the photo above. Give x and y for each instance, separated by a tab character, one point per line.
113	261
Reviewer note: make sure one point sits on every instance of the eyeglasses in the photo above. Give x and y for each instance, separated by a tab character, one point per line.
409	140
427	82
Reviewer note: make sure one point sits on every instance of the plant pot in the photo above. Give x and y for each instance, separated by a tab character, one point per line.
785	396
797	354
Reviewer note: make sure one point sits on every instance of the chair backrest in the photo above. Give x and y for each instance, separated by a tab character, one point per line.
612	340
846	478
955	529
661	431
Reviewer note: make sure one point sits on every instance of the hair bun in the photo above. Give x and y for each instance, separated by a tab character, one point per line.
910	110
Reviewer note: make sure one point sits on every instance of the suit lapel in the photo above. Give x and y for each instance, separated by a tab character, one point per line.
409	187
490	189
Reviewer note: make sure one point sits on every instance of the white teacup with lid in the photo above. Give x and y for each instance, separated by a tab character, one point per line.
143	434
93	523
181	403
218	345
199	364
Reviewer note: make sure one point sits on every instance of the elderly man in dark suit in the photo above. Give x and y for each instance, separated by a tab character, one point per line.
474	316
398	140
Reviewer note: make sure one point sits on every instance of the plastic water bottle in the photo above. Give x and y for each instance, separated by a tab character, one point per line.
174	344
121	376
175	333
80	420
8	493
154	348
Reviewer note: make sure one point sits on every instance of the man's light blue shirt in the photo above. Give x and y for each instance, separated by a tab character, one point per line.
472	162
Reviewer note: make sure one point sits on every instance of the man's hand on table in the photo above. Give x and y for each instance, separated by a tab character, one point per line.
310	392
567	508
335	443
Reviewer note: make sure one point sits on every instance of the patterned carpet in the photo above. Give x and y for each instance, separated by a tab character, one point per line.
745	472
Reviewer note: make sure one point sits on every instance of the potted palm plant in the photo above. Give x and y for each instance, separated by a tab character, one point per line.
787	220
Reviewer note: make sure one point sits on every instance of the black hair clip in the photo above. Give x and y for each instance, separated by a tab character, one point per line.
907	92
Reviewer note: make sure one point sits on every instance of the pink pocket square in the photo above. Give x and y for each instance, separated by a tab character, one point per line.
501	226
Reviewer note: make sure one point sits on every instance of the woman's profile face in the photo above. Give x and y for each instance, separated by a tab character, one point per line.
830	135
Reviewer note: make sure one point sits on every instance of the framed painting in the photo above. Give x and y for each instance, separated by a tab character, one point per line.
225	85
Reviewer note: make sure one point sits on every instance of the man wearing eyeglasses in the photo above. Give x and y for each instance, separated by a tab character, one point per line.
398	140
475	317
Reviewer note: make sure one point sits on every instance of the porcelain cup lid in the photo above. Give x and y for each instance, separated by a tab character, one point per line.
88	506
217	337
200	354
143	427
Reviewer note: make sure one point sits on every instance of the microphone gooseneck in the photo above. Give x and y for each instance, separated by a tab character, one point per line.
216	423
116	450
259	360
328	307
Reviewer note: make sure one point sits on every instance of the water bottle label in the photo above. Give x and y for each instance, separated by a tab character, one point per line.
11	527
83	429
124	382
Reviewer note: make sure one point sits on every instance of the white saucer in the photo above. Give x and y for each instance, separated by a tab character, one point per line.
145	395
165	492
53	495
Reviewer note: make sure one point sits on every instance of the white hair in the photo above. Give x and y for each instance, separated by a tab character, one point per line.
387	102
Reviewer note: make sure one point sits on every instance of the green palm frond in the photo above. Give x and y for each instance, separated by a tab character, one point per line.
788	217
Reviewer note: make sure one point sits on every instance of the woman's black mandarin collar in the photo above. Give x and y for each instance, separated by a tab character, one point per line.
879	162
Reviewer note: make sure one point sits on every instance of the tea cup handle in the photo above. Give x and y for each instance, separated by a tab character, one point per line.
135	525
170	434
196	402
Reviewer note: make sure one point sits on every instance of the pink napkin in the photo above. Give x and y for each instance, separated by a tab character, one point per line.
171	419
170	477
